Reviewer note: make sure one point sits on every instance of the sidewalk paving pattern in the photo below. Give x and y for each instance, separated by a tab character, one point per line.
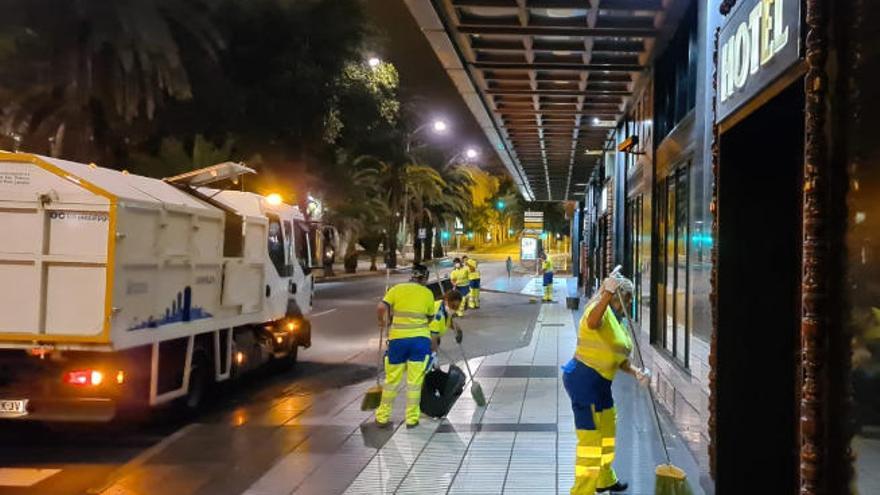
522	442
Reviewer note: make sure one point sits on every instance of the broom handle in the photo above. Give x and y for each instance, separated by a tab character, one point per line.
642	362
381	360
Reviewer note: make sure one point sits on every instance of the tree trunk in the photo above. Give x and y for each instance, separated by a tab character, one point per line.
417	243
373	266
428	253
438	244
391	243
351	257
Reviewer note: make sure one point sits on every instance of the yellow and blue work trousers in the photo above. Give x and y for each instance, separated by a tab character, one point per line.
548	286
410	355
595	421
474	293
464	290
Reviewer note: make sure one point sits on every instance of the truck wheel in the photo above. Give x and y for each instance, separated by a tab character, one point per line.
200	381
288	362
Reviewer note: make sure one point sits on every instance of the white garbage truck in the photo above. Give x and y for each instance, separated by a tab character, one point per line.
120	292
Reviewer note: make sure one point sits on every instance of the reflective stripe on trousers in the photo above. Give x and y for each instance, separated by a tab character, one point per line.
595	455
415	376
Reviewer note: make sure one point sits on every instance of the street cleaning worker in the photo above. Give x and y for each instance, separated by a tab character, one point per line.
411	307
474	283
603	347
546	267
462	283
443	316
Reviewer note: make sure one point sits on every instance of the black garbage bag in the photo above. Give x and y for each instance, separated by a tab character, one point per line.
440	390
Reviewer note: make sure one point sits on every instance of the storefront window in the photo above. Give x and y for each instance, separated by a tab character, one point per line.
863	253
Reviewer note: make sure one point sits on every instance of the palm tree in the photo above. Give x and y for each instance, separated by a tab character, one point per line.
80	71
455	203
356	207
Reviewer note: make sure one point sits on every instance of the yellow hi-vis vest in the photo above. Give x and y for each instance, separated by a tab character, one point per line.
473	273
547	266
412	309
440	323
604	349
459	277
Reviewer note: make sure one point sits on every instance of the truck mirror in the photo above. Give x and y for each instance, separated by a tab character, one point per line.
291	287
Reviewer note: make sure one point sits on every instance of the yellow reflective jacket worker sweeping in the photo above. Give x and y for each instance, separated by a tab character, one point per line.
461	281
411	306
546	267
474	283
603	347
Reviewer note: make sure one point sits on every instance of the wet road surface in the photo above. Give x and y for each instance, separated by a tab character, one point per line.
227	447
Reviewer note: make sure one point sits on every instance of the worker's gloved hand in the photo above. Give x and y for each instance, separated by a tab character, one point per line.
458	336
611	284
644	377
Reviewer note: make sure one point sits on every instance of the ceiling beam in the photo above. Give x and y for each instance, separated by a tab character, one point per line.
557	92
556	66
559	31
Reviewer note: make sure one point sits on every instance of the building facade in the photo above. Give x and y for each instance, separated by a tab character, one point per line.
741	192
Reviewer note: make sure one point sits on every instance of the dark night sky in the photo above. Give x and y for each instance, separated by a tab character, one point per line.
423	79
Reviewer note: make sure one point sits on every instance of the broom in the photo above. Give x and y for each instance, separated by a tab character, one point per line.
476	388
373	396
669	479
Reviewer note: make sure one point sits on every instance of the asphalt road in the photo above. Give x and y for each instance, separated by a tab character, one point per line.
228	446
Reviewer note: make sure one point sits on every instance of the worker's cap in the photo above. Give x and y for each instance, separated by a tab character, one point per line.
420	271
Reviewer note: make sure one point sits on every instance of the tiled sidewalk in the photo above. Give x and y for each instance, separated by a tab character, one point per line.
523	442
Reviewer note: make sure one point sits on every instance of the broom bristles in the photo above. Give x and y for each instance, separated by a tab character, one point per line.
671	480
477	394
372	398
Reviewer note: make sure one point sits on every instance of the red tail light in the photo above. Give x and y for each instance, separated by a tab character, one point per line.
84	378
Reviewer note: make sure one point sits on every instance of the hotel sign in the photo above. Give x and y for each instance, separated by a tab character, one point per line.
759	42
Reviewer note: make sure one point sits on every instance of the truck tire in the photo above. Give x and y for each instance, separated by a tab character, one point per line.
201	381
288	362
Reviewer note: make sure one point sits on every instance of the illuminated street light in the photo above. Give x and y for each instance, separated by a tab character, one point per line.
374	62
595	120
440	126
273	199
471	153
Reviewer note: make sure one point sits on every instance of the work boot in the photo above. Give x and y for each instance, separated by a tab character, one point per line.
619	486
382	425
410	426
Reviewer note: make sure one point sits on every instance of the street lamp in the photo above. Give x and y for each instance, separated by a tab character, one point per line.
471	153
374	62
440	126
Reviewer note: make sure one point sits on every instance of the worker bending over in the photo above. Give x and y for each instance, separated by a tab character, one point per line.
444	311
411	306
474	283
603	347
461	281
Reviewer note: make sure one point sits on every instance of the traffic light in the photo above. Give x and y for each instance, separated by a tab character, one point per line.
499	204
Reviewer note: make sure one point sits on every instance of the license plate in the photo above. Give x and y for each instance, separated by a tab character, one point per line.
13	408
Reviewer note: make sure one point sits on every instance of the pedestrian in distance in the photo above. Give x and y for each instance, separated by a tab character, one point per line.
410	306
509	264
546	268
603	348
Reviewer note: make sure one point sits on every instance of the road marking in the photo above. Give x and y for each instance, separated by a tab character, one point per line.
24	477
322	313
112	485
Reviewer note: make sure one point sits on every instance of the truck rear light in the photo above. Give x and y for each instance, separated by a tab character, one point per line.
120	377
84	378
